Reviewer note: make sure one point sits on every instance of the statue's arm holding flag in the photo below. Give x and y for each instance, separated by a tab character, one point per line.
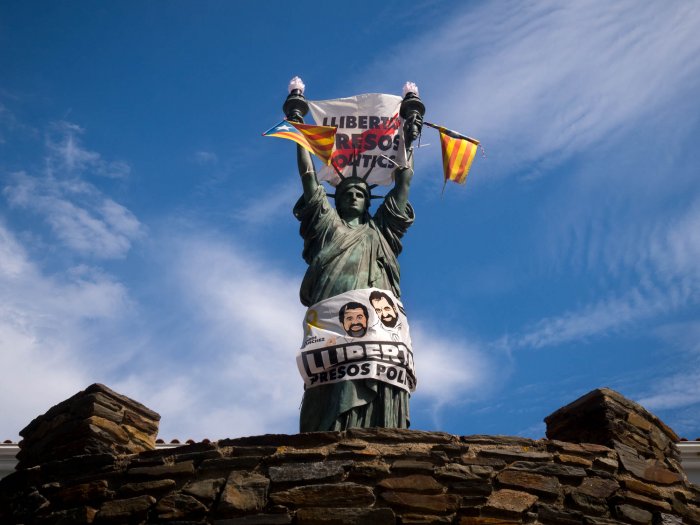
307	172
412	111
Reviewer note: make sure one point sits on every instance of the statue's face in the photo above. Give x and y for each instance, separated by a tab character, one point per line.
352	203
355	322
386	312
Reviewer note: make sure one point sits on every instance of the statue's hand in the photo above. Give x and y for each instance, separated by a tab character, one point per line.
295	116
412	127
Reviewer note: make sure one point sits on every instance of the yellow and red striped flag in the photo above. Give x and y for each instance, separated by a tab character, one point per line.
458	152
319	140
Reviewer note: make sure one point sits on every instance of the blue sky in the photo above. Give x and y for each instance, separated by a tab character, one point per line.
147	240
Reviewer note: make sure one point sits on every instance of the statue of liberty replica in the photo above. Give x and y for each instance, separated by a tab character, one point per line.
356	358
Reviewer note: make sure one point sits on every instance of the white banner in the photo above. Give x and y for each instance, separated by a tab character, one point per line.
369	129
361	334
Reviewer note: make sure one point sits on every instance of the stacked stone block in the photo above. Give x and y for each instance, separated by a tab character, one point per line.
94	421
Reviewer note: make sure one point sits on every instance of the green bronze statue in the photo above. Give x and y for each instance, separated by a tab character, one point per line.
347	249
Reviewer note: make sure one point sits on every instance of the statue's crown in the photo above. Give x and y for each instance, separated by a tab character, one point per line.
353	182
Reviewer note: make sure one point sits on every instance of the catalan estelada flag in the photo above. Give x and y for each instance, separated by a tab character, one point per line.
458	152
319	140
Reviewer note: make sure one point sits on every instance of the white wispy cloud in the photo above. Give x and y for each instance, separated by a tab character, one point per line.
677	391
237	333
79	214
204	157
538	82
48	324
66	153
269	207
452	370
661	266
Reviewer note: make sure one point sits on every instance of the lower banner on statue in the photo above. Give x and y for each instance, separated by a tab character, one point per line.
361	334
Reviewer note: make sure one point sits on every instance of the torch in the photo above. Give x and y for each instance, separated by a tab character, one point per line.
412	111
295	107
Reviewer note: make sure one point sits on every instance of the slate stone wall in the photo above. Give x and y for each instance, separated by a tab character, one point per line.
369	477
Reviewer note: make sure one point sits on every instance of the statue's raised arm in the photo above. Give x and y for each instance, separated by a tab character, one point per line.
412	110
307	172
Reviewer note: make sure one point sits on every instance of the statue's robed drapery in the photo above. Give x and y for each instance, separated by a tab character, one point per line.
343	258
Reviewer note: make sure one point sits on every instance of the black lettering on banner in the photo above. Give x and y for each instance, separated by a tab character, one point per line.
324	377
362	123
353	370
372	350
370	141
391	373
354	352
342	141
313	378
381	161
380	369
374	122
396	143
350	122
320	359
390	352
384	142
365	369
332	374
341	371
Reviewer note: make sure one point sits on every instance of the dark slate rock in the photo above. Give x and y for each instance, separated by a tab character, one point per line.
345	516
500	441
228	464
475	487
424	519
369	469
316	471
186	468
244	492
633	514
257	519
645	502
549	469
410	465
308	439
414	483
125	510
428	503
485	520
513	454
326	495
180	506
204	489
558	516
598	487
82	493
152	487
75	516
586	503
527	481
509	502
